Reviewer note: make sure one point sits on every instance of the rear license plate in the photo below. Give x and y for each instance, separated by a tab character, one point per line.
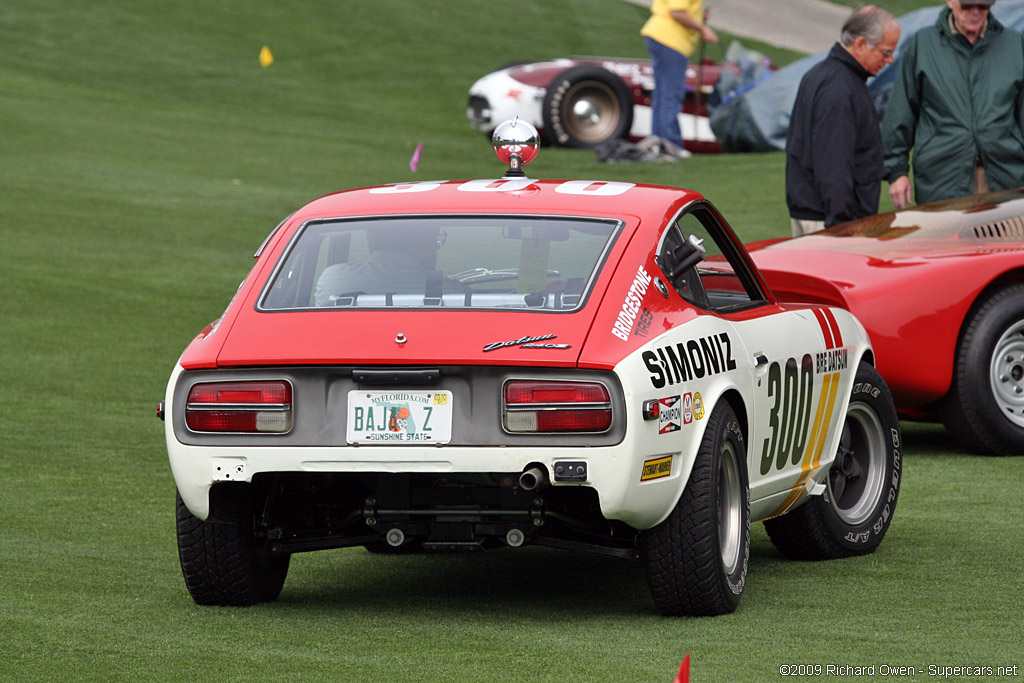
399	417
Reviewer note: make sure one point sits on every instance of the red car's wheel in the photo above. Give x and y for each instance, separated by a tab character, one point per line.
984	409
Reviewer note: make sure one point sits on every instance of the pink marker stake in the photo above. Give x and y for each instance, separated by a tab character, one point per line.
415	161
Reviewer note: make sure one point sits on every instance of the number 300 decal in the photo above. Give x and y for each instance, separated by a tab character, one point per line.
586	188
792	388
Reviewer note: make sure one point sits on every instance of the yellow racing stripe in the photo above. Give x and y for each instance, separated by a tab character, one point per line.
816	441
831	406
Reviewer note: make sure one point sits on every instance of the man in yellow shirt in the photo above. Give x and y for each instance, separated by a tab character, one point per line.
671	34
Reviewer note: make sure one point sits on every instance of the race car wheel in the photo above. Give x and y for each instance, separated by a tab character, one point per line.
984	409
696	559
223	563
585	106
852	515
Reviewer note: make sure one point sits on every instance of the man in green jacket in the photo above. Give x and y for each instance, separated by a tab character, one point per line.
958	102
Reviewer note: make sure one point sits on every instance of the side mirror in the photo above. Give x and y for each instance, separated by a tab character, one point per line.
685	256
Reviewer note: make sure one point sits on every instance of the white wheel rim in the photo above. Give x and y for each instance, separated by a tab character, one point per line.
1006	373
730	509
594	114
856	478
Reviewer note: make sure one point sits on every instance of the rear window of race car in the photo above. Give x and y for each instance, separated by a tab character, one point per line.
489	262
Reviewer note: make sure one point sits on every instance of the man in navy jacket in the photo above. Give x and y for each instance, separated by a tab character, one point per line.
834	155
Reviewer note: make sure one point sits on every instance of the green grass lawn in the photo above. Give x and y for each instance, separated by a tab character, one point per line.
145	155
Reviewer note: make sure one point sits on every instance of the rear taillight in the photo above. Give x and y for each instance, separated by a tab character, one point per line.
549	406
240	407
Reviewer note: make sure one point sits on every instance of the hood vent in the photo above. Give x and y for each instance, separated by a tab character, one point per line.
1008	230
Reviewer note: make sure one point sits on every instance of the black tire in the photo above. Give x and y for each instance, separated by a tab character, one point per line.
984	409
697	558
223	564
585	106
852	515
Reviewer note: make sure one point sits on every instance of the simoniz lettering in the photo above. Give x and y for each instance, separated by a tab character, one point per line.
689	360
632	304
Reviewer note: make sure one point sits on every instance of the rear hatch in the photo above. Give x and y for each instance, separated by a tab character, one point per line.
413	290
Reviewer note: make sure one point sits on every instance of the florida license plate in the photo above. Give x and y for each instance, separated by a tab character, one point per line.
399	417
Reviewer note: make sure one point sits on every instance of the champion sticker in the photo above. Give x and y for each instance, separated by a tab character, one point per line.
657	468
669	415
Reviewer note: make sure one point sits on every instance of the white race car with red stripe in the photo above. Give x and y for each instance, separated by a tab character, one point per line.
588	101
586	365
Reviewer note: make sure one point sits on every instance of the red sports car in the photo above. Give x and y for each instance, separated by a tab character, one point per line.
483	364
940	289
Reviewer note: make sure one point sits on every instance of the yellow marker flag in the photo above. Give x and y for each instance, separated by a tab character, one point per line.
266	57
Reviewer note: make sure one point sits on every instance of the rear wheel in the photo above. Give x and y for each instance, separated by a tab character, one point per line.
852	515
984	409
697	558
223	562
585	106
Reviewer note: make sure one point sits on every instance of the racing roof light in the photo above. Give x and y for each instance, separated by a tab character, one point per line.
258	406
516	143
556	406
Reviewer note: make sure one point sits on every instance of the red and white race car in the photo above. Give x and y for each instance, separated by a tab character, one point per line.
586	365
940	289
584	102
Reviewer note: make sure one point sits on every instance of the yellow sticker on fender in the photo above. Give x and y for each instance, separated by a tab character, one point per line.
657	468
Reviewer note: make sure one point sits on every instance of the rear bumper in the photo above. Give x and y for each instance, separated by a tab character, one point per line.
617	465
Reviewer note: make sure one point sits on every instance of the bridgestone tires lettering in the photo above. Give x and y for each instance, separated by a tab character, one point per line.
697	558
862	487
984	409
585	106
223	563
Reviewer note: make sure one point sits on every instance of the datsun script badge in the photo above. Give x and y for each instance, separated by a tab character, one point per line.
539	342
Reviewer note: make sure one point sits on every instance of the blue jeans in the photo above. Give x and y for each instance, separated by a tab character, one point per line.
669	90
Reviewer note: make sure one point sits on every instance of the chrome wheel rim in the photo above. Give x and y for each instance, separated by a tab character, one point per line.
856	478
730	509
593	112
1006	373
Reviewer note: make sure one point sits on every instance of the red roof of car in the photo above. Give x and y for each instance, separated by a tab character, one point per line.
247	336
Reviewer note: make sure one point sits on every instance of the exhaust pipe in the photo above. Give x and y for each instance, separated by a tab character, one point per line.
395	537
533	478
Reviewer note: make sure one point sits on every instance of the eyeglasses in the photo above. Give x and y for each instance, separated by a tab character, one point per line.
887	53
968	6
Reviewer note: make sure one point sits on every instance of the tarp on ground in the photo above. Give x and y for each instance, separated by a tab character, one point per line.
750	112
